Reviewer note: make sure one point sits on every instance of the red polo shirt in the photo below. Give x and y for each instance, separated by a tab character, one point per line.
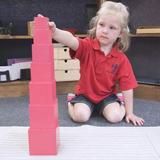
100	73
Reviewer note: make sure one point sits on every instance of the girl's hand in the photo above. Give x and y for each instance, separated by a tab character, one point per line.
134	119
52	25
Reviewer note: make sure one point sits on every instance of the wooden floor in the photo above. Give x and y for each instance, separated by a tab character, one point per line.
20	88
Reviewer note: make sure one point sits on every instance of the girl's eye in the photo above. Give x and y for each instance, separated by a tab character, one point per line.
112	27
101	24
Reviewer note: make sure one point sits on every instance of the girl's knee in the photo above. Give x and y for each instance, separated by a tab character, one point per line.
114	113
114	118
81	113
81	116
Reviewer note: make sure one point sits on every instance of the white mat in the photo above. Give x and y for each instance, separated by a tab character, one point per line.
87	143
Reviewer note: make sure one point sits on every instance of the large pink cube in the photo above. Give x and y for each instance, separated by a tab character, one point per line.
43	141
43	116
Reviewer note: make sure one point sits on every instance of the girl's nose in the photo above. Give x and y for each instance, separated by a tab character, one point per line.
105	30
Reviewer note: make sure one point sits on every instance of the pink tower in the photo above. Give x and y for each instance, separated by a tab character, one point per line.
43	111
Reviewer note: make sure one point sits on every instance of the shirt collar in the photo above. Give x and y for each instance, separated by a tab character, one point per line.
96	46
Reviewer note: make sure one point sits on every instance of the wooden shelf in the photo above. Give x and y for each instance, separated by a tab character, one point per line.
131	35
78	35
145	35
30	37
81	35
15	37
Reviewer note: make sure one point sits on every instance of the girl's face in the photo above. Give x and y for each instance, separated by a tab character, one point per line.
108	29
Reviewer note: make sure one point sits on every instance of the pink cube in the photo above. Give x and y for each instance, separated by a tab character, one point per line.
43	116
42	53
42	36
41	22
43	141
43	93
42	72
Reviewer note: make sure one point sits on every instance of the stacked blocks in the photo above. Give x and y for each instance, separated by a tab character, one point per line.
43	131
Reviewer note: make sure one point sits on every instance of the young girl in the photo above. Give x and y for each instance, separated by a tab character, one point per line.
102	64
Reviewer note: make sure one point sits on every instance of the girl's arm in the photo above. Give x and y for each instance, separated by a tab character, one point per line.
130	116
128	99
62	36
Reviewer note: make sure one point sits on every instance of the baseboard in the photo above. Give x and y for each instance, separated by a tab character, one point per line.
20	88
150	92
14	89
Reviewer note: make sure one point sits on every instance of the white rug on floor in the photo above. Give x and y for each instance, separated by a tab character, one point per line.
87	143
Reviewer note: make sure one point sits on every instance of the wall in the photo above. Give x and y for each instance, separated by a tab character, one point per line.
144	52
66	13
143	12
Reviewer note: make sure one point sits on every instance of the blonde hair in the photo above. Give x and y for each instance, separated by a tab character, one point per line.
117	9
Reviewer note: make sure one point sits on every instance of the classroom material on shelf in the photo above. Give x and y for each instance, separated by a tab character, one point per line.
148	30
30	28
11	61
13	70
66	69
30	25
7	29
